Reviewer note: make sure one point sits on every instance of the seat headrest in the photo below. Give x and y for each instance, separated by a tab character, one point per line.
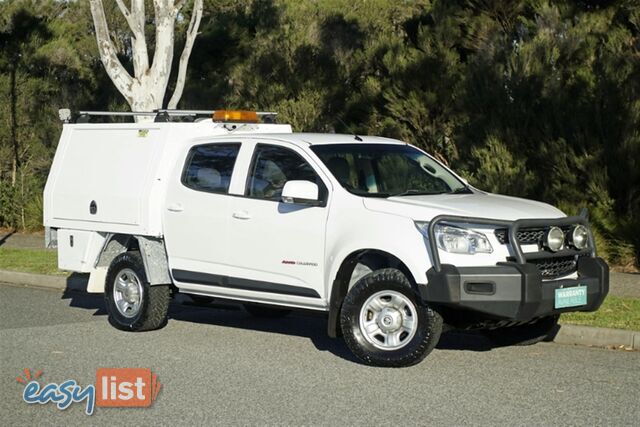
208	178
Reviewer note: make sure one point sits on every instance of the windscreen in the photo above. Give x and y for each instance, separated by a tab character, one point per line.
384	170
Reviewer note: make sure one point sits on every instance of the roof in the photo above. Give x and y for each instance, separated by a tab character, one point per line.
207	129
203	121
306	139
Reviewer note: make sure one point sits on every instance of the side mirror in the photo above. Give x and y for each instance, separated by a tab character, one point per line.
300	192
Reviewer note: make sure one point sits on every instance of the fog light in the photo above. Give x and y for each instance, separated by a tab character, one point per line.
554	240
580	237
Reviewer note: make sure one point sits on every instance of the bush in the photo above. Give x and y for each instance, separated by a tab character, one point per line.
498	171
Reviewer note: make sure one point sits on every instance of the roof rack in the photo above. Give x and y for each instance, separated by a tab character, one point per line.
160	115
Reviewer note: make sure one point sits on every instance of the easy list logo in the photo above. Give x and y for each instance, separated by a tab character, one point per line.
115	387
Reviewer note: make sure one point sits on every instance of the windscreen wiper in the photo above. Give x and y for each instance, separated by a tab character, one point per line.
462	190
413	192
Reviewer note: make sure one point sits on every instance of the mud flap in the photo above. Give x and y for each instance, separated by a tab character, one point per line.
96	280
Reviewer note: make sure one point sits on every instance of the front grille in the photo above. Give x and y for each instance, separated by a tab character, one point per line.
526	236
550	268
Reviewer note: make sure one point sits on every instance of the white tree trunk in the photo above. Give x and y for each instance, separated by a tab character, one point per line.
145	90
192	32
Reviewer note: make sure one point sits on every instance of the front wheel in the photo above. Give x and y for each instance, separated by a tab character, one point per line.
132	303
384	322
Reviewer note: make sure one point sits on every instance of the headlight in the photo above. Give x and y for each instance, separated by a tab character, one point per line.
554	239
579	237
457	240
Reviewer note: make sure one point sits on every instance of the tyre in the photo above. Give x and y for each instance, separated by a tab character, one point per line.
265	312
529	334
133	304
385	323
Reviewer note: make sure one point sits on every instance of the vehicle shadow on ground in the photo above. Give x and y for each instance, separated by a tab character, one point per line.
310	325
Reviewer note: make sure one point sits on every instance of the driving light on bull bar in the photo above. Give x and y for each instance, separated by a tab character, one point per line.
457	240
554	239
579	237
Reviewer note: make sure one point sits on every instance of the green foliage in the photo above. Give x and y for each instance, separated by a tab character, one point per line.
615	312
499	171
537	99
45	64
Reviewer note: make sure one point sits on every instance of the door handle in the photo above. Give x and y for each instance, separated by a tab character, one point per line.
175	207
241	215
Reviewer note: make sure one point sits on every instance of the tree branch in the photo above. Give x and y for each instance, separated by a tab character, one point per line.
120	77
138	12
180	5
192	32
138	39
160	71
127	15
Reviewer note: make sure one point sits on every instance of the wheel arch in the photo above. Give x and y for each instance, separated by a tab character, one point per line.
374	259
152	251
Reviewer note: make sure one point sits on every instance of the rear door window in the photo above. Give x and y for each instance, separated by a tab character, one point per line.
209	167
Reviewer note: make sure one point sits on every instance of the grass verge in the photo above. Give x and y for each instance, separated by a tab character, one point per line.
615	312
39	261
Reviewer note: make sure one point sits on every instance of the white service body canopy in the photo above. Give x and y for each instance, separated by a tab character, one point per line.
111	177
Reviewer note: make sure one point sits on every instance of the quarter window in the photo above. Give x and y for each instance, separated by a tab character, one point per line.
209	167
272	167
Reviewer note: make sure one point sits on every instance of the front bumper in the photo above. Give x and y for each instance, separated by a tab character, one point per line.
512	291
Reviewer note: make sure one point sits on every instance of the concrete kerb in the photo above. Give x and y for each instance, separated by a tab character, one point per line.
598	337
566	334
75	282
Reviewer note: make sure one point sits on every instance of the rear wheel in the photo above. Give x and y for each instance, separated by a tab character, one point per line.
385	323
529	334
132	303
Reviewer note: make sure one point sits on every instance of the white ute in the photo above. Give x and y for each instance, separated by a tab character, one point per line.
386	240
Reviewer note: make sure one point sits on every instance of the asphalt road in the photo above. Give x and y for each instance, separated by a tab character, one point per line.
220	366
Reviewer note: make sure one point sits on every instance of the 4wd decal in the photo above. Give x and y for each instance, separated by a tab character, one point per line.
304	263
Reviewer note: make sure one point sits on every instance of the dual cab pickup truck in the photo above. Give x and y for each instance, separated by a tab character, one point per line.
390	243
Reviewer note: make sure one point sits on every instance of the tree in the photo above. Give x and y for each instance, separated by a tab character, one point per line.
537	99
18	41
499	171
145	89
46	63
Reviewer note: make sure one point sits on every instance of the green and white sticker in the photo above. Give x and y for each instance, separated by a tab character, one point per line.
571	297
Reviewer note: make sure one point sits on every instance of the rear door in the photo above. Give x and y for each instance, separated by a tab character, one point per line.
197	209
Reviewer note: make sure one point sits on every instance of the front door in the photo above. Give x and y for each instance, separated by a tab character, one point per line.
277	249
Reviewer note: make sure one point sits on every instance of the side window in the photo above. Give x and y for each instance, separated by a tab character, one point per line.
209	167
272	166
